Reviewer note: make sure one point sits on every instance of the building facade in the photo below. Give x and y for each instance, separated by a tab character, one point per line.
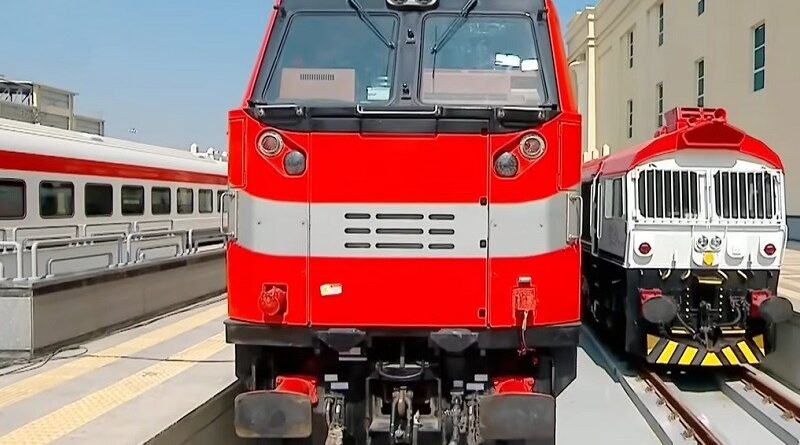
44	105
633	60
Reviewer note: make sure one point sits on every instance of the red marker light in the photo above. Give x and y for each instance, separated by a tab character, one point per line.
770	249
644	248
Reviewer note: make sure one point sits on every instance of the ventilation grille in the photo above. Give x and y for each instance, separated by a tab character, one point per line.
740	195
321	77
398	231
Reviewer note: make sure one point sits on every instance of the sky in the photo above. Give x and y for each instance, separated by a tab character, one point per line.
170	69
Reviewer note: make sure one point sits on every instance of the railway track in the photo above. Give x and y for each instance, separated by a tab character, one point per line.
742	406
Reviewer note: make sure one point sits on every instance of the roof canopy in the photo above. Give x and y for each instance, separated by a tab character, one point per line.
686	129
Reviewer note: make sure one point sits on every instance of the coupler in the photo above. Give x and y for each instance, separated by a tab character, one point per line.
282	413
512	411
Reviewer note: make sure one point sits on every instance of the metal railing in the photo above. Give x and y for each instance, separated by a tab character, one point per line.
71	243
46	250
17	247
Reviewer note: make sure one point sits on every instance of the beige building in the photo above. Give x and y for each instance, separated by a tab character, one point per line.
632	60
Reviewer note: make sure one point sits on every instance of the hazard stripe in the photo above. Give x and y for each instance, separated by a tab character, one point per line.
659	348
727	351
747	352
711	359
676	356
667	353
687	356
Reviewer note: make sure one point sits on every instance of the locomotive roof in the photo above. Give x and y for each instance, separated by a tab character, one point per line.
686	129
22	137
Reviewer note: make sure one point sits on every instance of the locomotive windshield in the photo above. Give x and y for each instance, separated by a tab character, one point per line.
489	60
340	58
335	58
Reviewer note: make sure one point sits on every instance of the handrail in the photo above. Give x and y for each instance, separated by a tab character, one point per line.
158	234
71	226
66	242
136	224
194	241
18	248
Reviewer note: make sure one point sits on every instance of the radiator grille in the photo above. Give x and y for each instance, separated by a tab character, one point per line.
669	194
399	231
745	195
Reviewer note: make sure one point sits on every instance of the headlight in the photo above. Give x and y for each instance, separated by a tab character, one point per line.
702	242
506	165
532	147
716	243
270	144
294	163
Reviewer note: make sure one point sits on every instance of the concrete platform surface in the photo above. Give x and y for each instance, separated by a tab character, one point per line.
789	283
122	389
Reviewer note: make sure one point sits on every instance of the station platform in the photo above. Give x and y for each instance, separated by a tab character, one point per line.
125	388
790	275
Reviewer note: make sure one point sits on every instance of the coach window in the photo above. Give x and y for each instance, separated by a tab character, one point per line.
185	201
161	200
205	201
12	199
56	199
98	199
132	200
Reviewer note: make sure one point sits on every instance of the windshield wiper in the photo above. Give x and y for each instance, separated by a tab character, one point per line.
365	17
454	25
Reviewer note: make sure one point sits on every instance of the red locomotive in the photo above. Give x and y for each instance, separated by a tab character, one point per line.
404	263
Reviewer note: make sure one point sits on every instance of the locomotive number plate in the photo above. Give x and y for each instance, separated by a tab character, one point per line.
525	298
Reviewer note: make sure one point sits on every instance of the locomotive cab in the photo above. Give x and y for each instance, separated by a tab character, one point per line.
403	178
686	237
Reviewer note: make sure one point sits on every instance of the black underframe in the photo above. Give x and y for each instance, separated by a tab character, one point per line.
451	340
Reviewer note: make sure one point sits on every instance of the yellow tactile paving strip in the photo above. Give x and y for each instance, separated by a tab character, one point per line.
40	383
61	422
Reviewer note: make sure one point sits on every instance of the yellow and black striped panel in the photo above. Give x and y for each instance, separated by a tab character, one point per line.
673	352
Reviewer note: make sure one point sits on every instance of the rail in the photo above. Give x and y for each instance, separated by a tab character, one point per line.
693	424
790	407
69	242
4	245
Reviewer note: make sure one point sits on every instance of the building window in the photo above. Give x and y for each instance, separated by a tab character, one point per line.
98	200
660	105
205	201
630	49
630	119
759	55
160	201
56	199
660	24
185	201
701	83
12	199
701	7
132	200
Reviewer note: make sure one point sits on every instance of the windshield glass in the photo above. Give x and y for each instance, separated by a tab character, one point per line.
489	60
334	58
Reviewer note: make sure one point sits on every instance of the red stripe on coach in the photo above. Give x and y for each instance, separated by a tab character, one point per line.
10	160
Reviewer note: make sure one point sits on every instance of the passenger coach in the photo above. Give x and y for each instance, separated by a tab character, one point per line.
99	231
683	241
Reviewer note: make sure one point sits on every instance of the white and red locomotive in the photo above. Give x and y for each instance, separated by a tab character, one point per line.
683	241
